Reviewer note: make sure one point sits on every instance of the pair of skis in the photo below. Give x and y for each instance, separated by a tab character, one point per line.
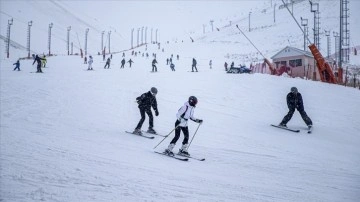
145	134
290	129
180	157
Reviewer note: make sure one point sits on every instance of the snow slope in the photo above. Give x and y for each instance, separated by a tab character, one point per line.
62	132
63	139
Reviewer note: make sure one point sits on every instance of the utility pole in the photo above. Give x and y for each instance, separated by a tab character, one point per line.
102	41
327	34
146	35
10	22
249	21
336	36
109	33
29	38
304	23
212	25
138	30
142	35
274	12
132	38
68	39
315	10
86	38
49	38
151	35
156	36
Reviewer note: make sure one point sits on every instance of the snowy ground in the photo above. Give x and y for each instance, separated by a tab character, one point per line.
63	139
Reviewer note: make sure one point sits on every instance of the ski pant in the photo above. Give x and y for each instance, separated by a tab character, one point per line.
142	113
107	65
193	68
154	68
17	68
38	67
302	112
185	130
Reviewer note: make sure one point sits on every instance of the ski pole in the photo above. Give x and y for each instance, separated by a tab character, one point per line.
194	134
166	136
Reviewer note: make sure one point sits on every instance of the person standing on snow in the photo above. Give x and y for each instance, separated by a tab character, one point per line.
172	66
90	63
210	64
122	63
146	101
107	63
38	61
17	65
153	65
294	101
130	62
194	65
185	113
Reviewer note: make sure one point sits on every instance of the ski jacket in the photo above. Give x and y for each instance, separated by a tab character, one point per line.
185	113
146	101
90	61
17	64
294	100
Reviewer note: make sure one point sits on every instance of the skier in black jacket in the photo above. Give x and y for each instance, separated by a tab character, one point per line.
38	60
295	101
146	101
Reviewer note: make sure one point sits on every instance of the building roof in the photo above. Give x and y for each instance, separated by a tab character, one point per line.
291	51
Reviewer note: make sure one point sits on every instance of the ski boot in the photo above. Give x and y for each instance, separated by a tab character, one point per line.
183	151
282	125
137	131
168	151
151	130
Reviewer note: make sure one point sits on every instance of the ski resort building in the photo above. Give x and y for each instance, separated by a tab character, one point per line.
296	63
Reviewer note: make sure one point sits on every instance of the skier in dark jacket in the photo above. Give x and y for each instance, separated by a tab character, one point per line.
185	113
107	63
146	101
153	65
194	65
122	63
130	62
295	101
172	66
17	65
38	60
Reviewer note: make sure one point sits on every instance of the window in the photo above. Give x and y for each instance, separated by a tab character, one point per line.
295	63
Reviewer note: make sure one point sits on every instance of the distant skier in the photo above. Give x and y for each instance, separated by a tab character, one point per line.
177	56
185	113
194	65
226	66
90	63
210	64
38	61
44	61
167	61
85	60
294	101
123	54
172	66
122	63
146	101
17	65
107	63
232	65
130	62
154	68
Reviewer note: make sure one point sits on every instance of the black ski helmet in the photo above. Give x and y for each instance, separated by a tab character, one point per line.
294	90
153	90
193	101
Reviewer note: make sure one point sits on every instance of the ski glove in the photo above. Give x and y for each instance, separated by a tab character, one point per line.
156	113
198	120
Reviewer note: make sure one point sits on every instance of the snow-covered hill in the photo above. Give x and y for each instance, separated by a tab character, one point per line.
62	133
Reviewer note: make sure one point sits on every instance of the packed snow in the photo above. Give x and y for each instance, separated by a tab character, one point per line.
63	132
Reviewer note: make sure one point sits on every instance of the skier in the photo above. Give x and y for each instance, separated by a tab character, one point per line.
167	61
172	66
85	60
295	101
122	63
194	65
44	61
210	63
153	65
38	60
107	63
90	63
130	62
146	101
226	66
185	113
17	65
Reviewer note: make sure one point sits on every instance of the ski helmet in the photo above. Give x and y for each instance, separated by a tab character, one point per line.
153	90
294	90
193	101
